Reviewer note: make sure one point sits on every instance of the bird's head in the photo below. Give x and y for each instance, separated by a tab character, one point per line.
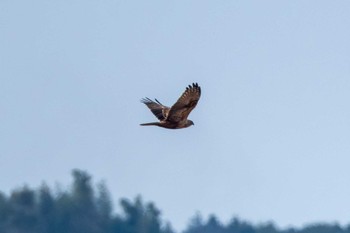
189	123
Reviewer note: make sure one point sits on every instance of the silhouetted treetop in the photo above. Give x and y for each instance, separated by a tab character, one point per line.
85	208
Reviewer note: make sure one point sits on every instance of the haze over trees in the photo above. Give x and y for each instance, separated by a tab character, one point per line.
85	208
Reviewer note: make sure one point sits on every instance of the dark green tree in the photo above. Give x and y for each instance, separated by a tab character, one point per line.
84	216
238	226
104	208
63	212
267	228
196	224
23	211
46	210
322	228
85	209
140	218
4	212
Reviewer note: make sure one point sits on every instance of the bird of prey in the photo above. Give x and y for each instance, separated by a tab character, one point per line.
176	116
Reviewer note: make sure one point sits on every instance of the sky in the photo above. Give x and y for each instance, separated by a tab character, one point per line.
272	127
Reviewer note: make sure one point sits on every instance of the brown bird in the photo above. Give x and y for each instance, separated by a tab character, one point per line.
176	116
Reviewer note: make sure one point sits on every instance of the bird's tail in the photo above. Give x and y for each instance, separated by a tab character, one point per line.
151	123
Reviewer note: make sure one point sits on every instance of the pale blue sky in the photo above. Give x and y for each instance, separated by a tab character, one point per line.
272	129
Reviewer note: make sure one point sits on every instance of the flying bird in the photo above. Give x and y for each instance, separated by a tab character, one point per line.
176	116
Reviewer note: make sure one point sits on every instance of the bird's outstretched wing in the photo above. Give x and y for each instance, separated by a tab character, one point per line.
158	109
185	104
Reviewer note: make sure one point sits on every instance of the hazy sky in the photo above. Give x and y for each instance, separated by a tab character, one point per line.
272	128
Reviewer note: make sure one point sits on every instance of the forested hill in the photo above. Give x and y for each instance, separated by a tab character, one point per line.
88	209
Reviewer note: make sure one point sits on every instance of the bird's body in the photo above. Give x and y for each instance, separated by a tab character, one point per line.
176	116
170	125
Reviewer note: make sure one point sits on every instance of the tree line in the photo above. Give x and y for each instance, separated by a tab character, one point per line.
85	208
